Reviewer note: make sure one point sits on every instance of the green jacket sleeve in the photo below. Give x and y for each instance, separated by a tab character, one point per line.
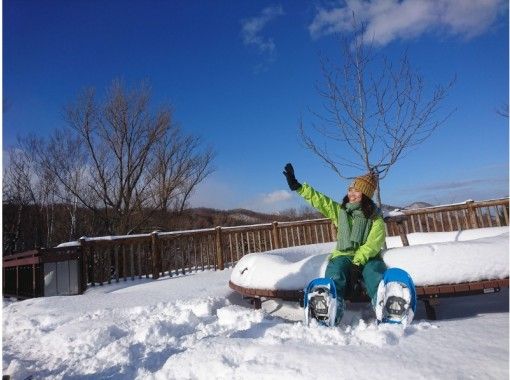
325	205
373	245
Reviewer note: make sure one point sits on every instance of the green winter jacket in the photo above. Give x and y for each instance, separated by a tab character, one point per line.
329	208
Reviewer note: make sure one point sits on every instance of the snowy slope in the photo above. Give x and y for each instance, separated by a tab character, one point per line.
195	327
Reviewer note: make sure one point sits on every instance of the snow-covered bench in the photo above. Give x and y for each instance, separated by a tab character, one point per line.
442	264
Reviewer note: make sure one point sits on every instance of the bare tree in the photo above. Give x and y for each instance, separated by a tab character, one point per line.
179	166
116	163
18	190
28	183
373	113
47	202
199	169
64	156
107	158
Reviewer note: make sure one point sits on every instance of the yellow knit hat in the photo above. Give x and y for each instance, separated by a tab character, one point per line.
366	183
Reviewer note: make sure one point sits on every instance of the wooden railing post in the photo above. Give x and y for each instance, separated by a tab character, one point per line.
333	231
473	221
156	255
399	221
219	250
275	234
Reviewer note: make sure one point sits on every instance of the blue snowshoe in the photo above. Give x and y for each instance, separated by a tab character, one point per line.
396	298
321	303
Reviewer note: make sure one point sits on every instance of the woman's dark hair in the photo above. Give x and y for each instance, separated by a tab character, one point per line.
367	206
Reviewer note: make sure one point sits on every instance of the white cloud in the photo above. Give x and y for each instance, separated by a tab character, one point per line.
274	201
276	197
252	29
388	20
219	193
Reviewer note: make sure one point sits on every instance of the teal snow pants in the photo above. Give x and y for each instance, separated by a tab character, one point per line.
338	270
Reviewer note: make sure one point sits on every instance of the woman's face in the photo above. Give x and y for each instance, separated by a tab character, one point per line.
354	195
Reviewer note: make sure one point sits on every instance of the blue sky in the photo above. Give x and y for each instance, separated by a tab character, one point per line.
241	74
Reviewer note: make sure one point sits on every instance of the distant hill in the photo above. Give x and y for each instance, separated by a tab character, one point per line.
416	205
203	217
207	217
388	208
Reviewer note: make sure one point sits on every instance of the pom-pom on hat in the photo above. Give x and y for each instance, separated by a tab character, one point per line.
366	183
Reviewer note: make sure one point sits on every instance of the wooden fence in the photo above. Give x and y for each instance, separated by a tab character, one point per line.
112	259
172	253
470	214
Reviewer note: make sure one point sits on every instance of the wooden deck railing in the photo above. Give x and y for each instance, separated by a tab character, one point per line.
462	216
170	253
112	259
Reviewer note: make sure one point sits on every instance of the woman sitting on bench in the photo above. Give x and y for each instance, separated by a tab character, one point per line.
360	238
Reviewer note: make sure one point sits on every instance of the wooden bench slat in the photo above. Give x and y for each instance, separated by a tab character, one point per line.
430	290
446	289
476	286
461	288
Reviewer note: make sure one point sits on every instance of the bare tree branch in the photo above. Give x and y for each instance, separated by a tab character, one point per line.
373	113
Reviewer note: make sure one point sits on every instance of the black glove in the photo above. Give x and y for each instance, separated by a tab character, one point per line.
291	178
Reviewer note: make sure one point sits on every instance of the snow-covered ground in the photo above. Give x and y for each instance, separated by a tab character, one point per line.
195	327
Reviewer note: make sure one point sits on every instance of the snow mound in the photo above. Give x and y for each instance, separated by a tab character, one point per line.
436	258
165	339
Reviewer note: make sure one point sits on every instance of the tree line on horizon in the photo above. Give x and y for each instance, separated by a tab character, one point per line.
33	226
